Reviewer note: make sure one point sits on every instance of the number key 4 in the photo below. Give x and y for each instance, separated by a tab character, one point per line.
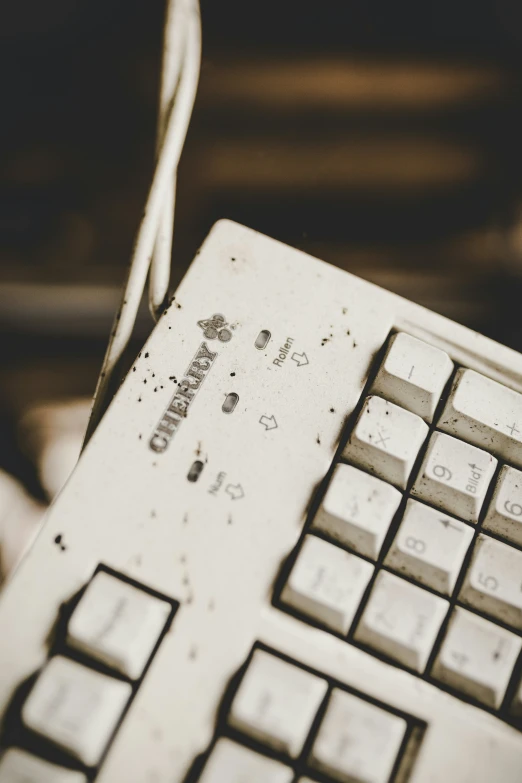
477	657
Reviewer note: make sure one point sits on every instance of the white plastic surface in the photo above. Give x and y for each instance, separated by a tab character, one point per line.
504	516
485	413
493	581
401	620
117	624
386	441
357	741
217	544
429	547
75	708
413	375
454	476
232	763
327	584
357	510
18	766
277	703
477	657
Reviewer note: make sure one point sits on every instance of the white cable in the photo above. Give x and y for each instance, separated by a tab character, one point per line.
167	163
174	46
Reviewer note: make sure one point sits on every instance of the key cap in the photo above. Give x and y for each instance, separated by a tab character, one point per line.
117	624
485	413
477	657
327	583
413	375
504	515
493	583
401	620
386	440
454	476
357	741
357	510
277	702
76	708
429	547
18	766
232	763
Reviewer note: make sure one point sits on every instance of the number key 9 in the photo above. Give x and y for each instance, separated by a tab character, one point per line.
455	476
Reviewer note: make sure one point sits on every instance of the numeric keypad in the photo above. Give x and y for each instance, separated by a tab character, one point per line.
430	560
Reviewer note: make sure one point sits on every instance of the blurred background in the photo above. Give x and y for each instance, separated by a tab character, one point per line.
384	137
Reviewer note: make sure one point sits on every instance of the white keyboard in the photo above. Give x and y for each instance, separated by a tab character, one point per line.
291	553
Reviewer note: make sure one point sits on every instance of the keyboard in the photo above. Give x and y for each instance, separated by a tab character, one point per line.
291	552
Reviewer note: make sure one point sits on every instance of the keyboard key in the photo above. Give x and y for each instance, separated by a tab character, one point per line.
504	515
477	657
357	510
327	583
18	766
401	620
232	763
493	582
76	708
429	547
117	624
357	741
277	702
386	440
485	413
454	476
413	375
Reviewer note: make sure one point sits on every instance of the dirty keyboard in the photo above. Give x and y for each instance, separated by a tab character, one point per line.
413	552
291	552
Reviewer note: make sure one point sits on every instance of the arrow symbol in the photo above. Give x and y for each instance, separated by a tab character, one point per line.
300	358
448	524
235	491
268	422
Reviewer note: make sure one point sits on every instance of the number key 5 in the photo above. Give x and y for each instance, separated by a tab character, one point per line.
493	582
